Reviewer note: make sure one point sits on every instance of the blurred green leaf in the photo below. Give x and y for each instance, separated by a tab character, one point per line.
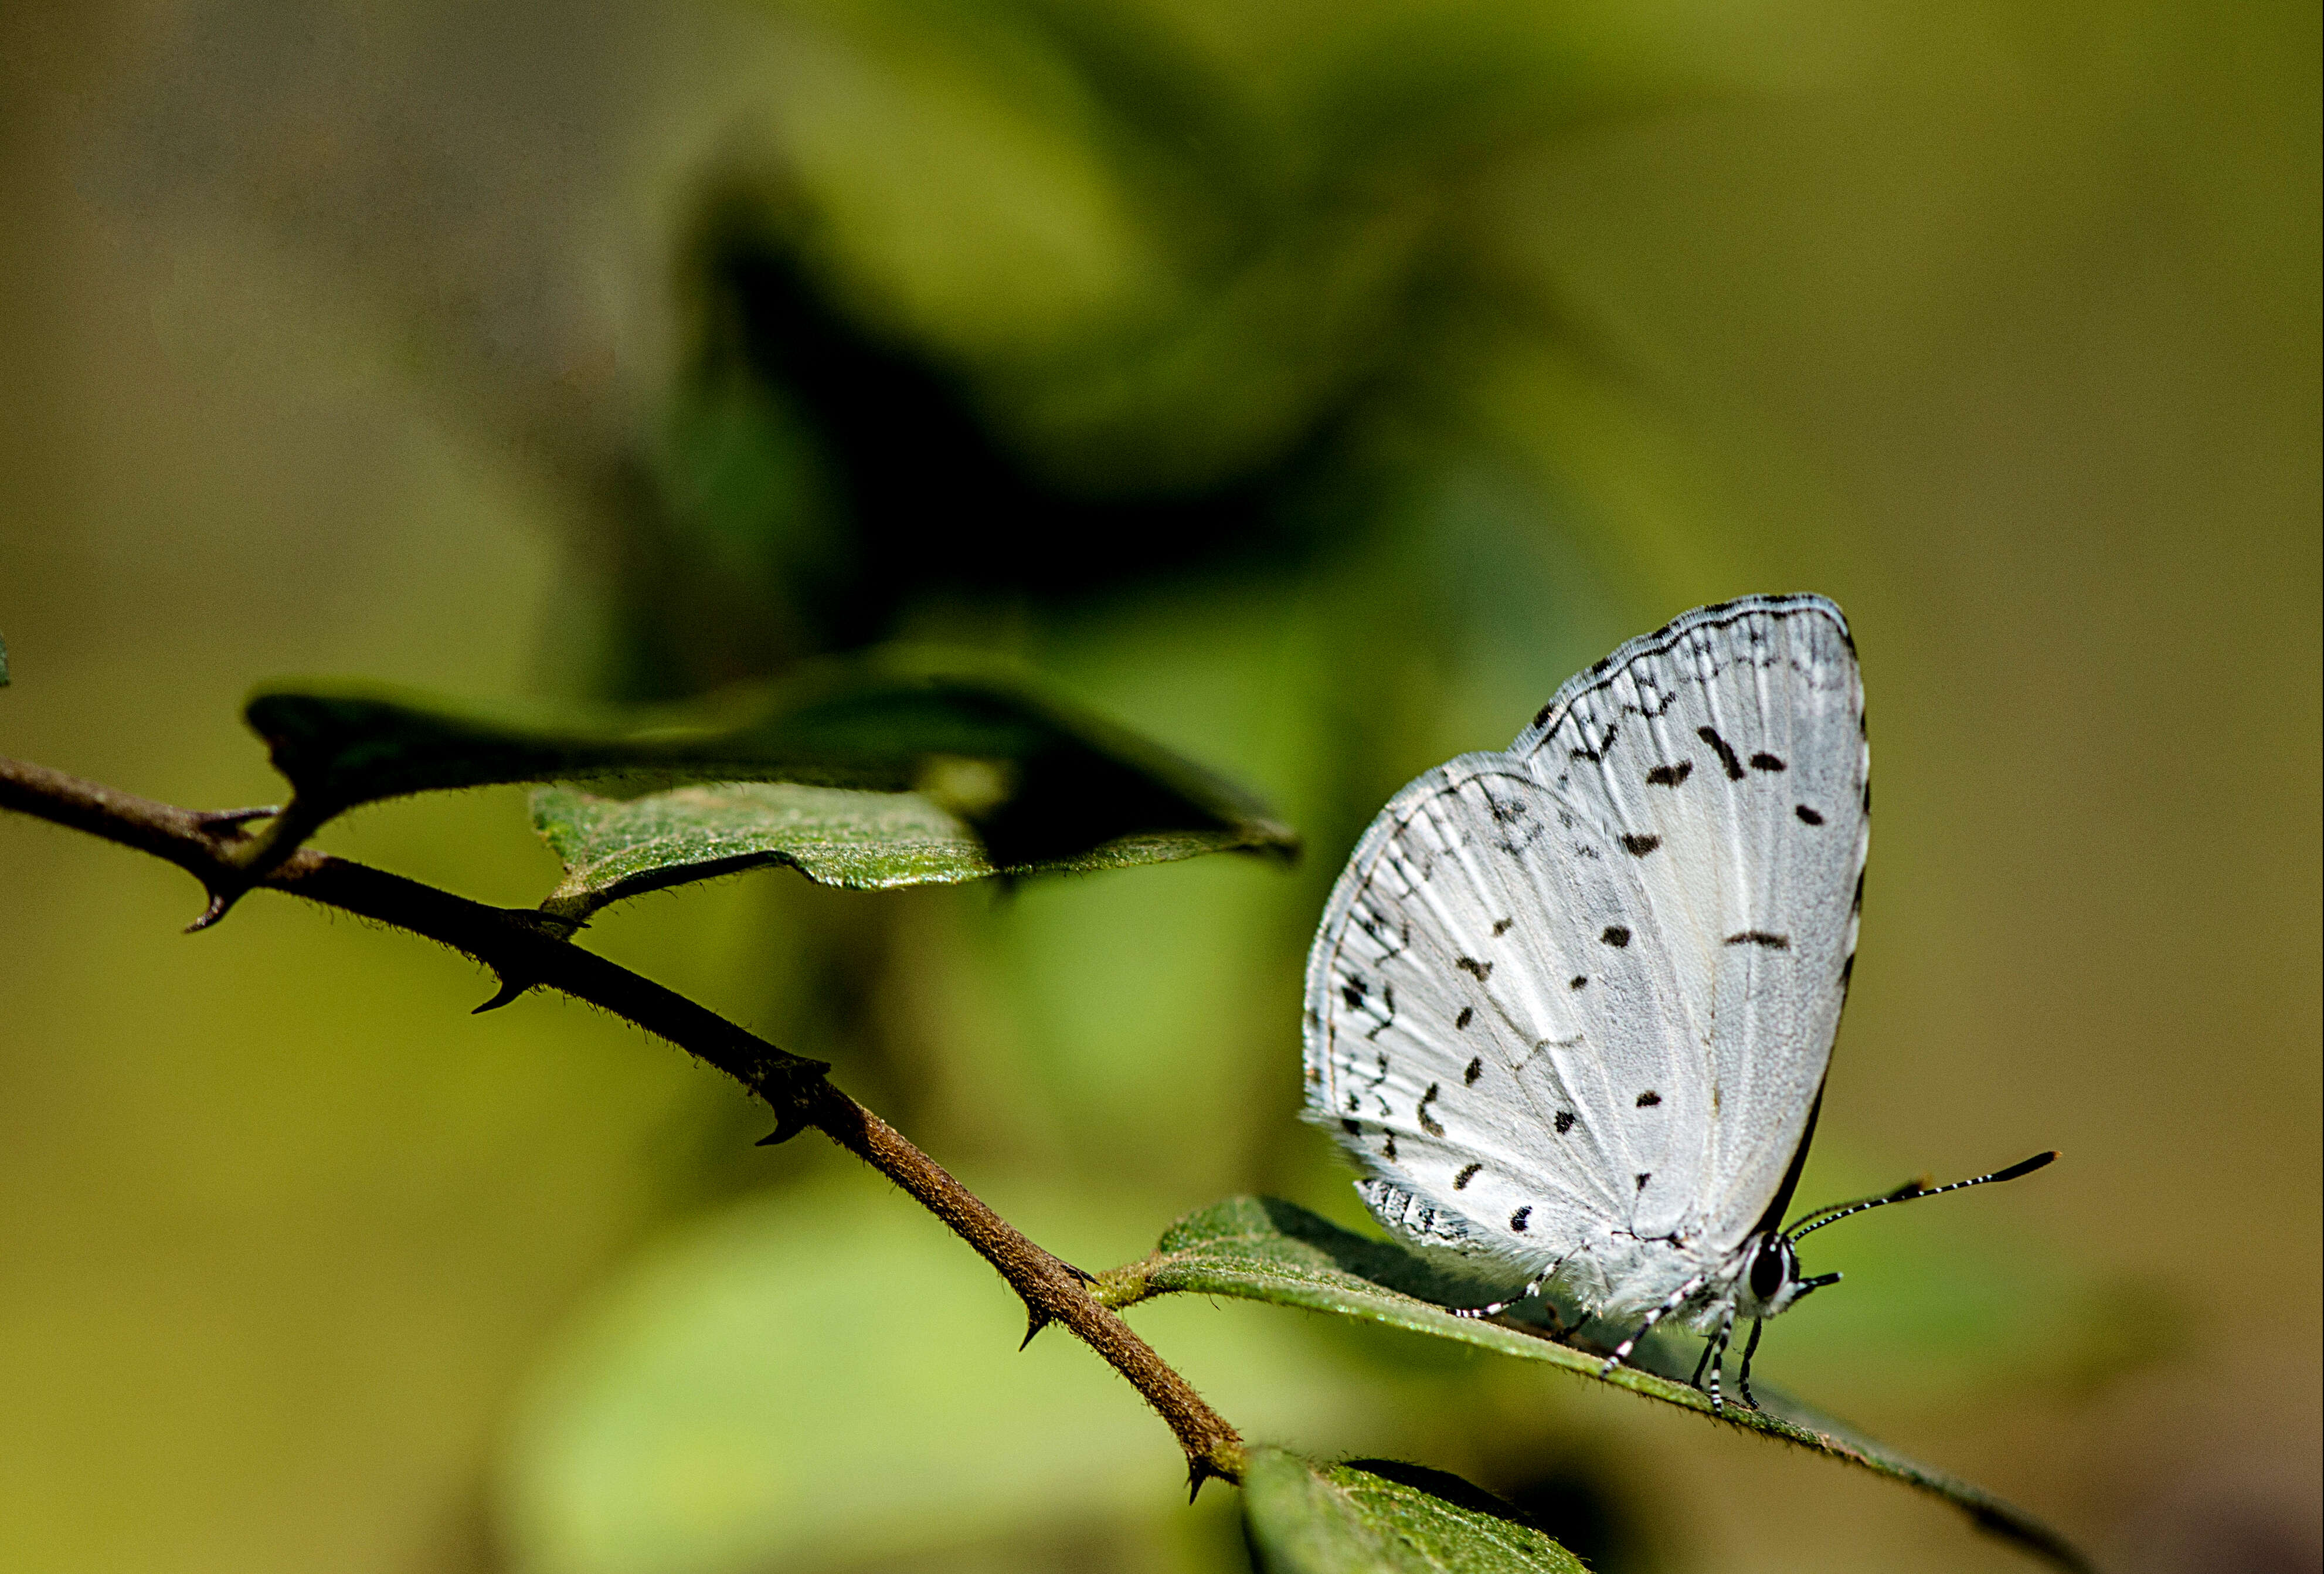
1041	782
1306	1517
820	1379
1260	1248
614	848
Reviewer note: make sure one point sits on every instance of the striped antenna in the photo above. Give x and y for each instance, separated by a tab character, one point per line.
1911	1192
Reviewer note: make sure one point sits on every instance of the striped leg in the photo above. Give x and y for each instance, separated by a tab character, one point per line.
1743	1382
1499	1306
1717	1351
1678	1298
1531	1290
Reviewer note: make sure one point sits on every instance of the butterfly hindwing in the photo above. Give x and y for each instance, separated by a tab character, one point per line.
1434	1046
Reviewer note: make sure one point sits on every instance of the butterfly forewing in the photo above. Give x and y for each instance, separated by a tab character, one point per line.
1591	984
1729	750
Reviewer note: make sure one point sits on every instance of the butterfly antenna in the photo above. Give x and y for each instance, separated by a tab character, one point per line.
1911	1192
1917	1187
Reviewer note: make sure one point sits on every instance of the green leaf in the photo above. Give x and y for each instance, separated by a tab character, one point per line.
1040	782
1306	1517
815	1379
1260	1248
861	841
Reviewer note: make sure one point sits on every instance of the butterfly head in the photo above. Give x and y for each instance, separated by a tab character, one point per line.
1772	1280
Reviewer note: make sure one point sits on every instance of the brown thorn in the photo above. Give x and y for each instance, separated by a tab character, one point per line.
508	990
788	1123
218	903
231	819
1200	1470
1036	1320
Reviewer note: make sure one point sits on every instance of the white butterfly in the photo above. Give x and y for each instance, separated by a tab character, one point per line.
1570	1006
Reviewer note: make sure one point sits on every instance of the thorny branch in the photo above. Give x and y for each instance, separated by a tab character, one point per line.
527	949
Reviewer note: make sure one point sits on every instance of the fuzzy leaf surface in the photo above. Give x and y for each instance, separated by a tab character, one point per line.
1260	1248
1306	1517
614	848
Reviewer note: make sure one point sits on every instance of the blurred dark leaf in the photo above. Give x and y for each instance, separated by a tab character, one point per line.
823	472
1306	1517
1041	784
1260	1248
1247	287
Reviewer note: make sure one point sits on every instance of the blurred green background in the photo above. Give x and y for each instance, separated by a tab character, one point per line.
1311	386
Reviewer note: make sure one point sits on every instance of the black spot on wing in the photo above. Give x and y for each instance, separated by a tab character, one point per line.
1577	981
1429	1123
1764	762
1855	903
1808	816
1642	1180
1597	754
1649	1098
1616	936
1467	1174
1760	937
1638	846
1564	1122
1518	1219
1476	1070
1387	1147
1481	970
1501	926
1724	750
1352	992
1351	1127
1669	776
1846	971
1467	1013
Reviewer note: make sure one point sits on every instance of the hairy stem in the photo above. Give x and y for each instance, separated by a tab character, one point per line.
527	950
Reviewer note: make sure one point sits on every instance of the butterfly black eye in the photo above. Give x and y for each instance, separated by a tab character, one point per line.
1768	1270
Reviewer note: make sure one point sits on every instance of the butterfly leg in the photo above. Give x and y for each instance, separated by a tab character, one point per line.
1499	1306
1716	1352
1678	1298
1743	1382
1532	1289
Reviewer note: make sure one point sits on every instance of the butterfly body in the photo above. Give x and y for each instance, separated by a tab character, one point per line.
1570	1006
